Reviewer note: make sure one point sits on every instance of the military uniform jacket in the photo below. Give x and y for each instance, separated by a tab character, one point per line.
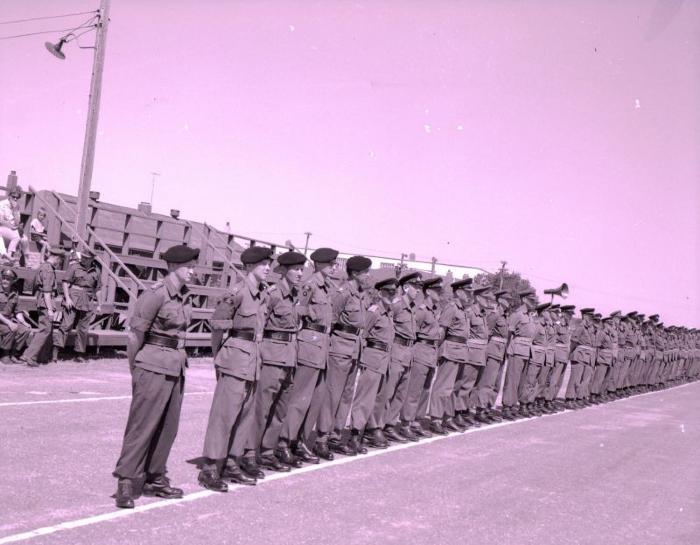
550	336
606	342
478	335
315	308
427	329
163	310
538	350
349	309
405	327
45	282
242	309
583	344
562	342
83	285
498	335
8	304
455	323
522	330
280	315
379	327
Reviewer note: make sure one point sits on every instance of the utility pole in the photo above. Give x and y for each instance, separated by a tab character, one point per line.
153	185
503	270
306	246
92	116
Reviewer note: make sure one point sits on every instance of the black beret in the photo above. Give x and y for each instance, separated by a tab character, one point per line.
255	254
568	308
180	254
640	316
631	314
608	318
501	294
433	283
387	283
597	315
355	263
616	314
543	306
587	310
9	274
654	318
410	277
461	284
290	258
526	292
324	255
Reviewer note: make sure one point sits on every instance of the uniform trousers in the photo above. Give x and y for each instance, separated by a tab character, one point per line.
586	380
367	394
41	336
341	374
623	375
529	381
14	341
443	388
154	417
465	382
573	389
556	378
273	389
418	389
514	372
231	419
600	373
543	380
81	320
306	398
398	378
486	389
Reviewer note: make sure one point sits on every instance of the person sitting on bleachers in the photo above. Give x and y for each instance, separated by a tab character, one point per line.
10	226
37	232
14	330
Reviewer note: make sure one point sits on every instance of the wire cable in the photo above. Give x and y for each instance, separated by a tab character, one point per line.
63	30
46	17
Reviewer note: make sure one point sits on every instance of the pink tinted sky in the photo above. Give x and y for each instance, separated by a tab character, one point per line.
560	136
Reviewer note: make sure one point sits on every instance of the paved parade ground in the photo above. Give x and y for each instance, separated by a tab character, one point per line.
627	472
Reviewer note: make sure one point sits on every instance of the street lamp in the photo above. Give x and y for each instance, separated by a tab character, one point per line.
88	158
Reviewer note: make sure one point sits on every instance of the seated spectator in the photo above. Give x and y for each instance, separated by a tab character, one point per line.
37	232
14	330
10	226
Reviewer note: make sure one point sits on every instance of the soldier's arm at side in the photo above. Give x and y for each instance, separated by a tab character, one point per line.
145	311
222	319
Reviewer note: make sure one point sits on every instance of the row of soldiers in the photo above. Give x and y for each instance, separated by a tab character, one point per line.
297	362
57	317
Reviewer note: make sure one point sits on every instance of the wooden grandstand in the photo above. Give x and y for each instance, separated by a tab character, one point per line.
128	243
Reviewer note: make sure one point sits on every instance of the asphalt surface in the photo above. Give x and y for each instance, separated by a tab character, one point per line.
622	473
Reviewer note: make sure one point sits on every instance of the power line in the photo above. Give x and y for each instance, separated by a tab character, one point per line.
84	24
45	17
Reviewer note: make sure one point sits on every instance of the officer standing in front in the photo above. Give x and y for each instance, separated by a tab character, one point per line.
157	360
80	288
237	326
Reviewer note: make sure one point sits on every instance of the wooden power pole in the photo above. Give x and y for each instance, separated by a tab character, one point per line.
88	160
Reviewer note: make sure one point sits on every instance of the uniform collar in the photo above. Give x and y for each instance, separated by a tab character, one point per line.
253	287
285	288
174	288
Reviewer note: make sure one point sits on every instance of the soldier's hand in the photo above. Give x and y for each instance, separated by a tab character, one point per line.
12	326
68	303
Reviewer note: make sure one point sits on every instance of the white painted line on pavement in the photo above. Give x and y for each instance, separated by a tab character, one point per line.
121	513
82	399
